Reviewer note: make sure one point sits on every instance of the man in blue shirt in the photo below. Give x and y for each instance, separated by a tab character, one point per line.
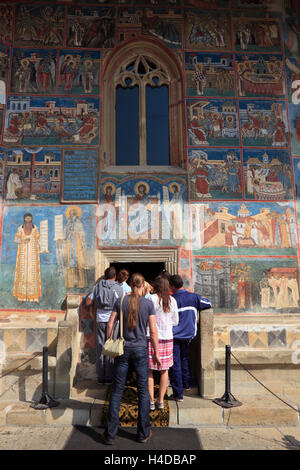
188	306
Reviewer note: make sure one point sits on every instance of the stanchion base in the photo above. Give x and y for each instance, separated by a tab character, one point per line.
227	401
45	402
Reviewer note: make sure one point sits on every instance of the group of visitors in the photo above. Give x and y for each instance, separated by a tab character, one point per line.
159	322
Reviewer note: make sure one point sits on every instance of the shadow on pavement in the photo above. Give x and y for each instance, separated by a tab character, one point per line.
88	438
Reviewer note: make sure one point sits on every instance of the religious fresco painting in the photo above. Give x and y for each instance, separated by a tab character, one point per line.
2	168
33	174
207	30
39	25
248	284
46	251
255	33
146	211
51	121
260	75
251	228
164	24
215	174
92	27
291	28
292	71
209	74
232	211
267	174
79	72
296	164
33	71
263	123
6	19
294	119
269	5
213	122
207	4
4	66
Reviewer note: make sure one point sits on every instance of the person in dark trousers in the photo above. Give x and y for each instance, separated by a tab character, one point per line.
138	312
188	306
103	296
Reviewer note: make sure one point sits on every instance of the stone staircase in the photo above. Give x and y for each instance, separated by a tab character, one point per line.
85	408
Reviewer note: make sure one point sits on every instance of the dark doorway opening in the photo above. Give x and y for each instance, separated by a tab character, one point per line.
148	270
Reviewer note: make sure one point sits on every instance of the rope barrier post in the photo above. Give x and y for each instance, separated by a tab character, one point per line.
46	401
227	400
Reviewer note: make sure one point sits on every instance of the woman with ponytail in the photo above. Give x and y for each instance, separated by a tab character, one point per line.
166	315
138	313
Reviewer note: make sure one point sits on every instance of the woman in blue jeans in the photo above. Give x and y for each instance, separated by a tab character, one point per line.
138	312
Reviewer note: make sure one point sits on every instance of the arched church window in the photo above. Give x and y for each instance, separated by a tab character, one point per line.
142	107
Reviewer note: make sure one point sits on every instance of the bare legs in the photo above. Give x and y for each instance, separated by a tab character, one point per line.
163	384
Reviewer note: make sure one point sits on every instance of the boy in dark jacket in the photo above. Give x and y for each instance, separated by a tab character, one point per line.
188	306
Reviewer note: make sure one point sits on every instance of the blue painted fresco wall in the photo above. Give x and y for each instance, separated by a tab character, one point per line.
240	68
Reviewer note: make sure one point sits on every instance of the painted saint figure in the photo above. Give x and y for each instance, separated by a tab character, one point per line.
75	248
265	291
27	282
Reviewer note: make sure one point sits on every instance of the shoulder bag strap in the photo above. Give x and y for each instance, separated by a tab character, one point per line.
121	318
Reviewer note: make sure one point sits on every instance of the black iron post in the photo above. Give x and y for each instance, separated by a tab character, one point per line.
46	401
227	400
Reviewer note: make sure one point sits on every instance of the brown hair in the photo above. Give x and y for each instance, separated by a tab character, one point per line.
123	275
136	281
110	273
161	287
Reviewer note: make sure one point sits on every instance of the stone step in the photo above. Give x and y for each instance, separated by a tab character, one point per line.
86	410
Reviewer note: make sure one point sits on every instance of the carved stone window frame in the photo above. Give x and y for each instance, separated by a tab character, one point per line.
168	71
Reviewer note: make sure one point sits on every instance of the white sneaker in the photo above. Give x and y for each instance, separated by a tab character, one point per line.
160	406
152	406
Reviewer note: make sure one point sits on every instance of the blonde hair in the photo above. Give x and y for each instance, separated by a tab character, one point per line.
136	282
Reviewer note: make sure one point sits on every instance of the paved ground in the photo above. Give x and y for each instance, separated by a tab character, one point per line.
175	439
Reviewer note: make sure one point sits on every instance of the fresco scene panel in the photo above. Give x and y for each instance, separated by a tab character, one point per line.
267	174
247	228
51	121
215	174
260	75
213	123
248	285
33	175
207	30
263	123
209	74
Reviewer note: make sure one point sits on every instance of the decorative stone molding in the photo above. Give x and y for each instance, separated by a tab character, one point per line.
152	255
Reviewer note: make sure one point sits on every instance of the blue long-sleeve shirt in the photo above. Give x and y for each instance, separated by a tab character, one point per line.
189	304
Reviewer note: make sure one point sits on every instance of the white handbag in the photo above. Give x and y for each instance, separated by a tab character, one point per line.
115	347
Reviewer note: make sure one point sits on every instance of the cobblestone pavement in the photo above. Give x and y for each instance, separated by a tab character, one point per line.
175	438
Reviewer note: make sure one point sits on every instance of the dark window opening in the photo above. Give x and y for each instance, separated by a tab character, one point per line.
148	270
127	126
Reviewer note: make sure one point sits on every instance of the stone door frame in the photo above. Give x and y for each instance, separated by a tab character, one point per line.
104	257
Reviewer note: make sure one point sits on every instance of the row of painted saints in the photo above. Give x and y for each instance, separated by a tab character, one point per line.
71	246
